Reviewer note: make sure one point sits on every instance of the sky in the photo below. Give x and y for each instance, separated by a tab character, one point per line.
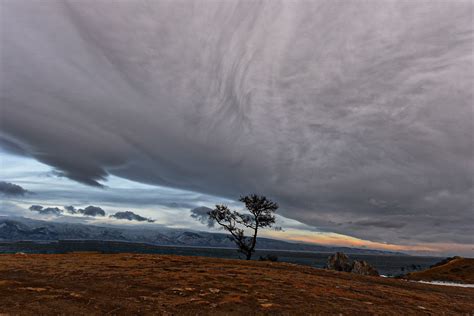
355	116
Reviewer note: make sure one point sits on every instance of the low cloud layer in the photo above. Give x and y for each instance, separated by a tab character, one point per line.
355	117
128	215
89	211
11	189
46	210
71	209
92	211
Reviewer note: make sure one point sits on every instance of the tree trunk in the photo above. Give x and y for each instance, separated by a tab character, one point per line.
254	241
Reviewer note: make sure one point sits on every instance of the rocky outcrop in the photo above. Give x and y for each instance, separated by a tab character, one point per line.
363	268
340	262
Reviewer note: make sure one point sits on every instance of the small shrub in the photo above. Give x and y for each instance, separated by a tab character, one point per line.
271	258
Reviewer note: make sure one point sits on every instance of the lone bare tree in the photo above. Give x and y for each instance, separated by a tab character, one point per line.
261	215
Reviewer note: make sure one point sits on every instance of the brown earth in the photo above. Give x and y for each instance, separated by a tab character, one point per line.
130	284
457	270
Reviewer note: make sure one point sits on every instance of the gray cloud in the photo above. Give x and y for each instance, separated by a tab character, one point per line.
128	215
91	211
46	210
380	224
71	209
340	112
11	189
36	208
201	214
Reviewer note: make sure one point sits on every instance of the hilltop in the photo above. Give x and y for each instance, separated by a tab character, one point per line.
125	284
455	270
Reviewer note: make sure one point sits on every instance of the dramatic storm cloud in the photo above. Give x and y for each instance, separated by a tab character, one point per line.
11	189
128	215
357	117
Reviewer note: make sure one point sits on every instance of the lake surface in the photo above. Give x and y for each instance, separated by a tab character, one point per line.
390	265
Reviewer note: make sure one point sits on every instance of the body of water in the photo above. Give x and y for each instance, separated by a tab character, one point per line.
390	265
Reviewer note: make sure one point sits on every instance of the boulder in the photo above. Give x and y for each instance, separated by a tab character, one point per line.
363	268
339	262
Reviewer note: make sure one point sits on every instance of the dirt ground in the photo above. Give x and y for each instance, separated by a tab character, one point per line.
131	284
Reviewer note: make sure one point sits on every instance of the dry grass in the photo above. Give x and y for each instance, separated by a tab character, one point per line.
457	270
126	284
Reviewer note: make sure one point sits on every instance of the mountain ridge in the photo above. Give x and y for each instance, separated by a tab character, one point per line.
19	229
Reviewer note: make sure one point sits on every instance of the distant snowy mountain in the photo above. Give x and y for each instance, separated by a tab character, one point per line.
16	229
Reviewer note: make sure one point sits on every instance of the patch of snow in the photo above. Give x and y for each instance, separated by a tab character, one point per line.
446	283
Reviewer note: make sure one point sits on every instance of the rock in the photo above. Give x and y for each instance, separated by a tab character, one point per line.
339	262
363	268
215	291
35	289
